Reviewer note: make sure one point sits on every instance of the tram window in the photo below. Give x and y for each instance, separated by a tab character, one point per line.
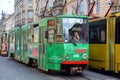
98	31
4	37
25	36
16	37
117	31
58	31
50	35
12	37
36	32
30	34
58	26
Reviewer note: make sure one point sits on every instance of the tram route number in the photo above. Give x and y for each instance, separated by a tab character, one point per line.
76	55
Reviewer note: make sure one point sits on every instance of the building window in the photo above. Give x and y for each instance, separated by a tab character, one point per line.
118	2
23	14
98	7
88	6
30	2
22	3
30	14
81	8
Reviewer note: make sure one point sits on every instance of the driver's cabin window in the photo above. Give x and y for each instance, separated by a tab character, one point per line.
75	30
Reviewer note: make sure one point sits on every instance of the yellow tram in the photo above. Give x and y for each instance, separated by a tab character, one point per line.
105	43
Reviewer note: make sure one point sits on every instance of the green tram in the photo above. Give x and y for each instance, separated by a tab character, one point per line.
54	43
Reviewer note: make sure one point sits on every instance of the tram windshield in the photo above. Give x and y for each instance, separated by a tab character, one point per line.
75	30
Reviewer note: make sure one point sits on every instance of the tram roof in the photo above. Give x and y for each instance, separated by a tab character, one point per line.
72	16
98	19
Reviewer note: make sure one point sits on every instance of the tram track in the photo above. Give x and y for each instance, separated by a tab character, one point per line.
87	75
53	75
66	76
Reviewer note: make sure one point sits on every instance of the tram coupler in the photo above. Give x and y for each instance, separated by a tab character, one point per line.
74	70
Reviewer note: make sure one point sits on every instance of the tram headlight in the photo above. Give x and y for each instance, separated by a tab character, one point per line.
84	56
67	56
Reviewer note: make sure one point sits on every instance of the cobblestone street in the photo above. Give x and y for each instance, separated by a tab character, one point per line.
13	70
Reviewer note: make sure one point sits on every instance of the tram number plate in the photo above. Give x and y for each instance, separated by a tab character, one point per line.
76	55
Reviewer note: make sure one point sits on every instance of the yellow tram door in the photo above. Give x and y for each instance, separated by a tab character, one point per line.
112	53
117	46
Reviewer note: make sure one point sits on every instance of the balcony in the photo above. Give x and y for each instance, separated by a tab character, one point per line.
58	3
115	9
57	11
57	7
47	12
30	20
23	20
42	10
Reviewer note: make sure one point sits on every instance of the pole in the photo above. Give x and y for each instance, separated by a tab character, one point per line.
45	8
64	6
91	8
77	9
109	8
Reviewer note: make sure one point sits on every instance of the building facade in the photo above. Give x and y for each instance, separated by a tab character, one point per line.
82	7
1	26
8	22
29	10
24	11
46	8
116	6
79	7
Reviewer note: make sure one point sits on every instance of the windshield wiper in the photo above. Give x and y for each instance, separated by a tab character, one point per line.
74	43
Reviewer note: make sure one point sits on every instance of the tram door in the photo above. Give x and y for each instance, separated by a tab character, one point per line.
17	54
117	45
17	45
111	43
23	54
42	47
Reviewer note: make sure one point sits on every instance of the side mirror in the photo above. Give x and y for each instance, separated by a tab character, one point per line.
46	34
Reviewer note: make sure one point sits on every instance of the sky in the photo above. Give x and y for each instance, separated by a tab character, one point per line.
7	6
